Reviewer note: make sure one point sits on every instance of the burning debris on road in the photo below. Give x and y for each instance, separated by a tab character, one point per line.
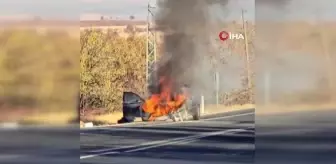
165	101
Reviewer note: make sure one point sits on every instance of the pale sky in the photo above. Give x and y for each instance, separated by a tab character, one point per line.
72	9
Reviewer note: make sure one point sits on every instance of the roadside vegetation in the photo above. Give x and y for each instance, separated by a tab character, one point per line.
40	71
110	64
39	75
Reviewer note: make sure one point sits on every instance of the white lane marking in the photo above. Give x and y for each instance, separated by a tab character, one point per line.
186	140
197	121
93	155
146	130
142	144
114	125
162	141
150	124
229	116
11	156
154	144
148	143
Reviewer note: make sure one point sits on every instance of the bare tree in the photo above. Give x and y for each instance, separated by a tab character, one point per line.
132	17
130	28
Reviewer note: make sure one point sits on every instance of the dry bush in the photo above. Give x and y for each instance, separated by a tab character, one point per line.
39	71
110	64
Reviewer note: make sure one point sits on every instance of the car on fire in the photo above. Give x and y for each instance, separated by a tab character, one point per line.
135	106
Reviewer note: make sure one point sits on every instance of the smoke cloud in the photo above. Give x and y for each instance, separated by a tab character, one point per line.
292	47
186	26
273	3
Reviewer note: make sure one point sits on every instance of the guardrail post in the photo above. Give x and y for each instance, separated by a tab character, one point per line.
202	105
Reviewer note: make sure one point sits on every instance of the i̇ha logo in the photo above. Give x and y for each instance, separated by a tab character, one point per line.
224	35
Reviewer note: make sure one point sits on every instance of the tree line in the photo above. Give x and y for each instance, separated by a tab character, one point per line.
39	70
110	64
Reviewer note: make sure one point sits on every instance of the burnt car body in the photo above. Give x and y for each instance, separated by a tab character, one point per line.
132	108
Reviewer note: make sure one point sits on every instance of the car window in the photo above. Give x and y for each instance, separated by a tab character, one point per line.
130	97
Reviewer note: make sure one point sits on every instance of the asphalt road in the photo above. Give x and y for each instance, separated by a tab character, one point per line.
39	145
293	138
221	138
296	138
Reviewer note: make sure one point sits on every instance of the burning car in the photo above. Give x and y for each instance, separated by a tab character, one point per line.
166	101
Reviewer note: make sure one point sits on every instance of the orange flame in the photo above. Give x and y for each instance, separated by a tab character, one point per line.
164	102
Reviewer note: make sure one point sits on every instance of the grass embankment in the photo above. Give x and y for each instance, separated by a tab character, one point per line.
39	75
281	109
53	118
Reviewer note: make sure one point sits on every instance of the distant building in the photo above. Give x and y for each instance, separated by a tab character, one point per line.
122	27
113	24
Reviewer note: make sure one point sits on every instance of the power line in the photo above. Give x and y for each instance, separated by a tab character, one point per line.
247	57
150	45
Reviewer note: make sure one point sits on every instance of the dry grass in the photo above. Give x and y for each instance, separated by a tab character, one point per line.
280	109
55	118
111	118
105	119
213	109
270	109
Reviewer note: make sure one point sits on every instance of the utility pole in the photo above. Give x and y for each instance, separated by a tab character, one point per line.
217	88
150	45
328	58
247	57
267	83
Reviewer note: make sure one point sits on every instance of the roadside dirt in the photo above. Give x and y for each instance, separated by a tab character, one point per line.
280	109
213	109
108	119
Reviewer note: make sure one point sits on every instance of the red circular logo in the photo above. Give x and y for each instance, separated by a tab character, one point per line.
223	35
